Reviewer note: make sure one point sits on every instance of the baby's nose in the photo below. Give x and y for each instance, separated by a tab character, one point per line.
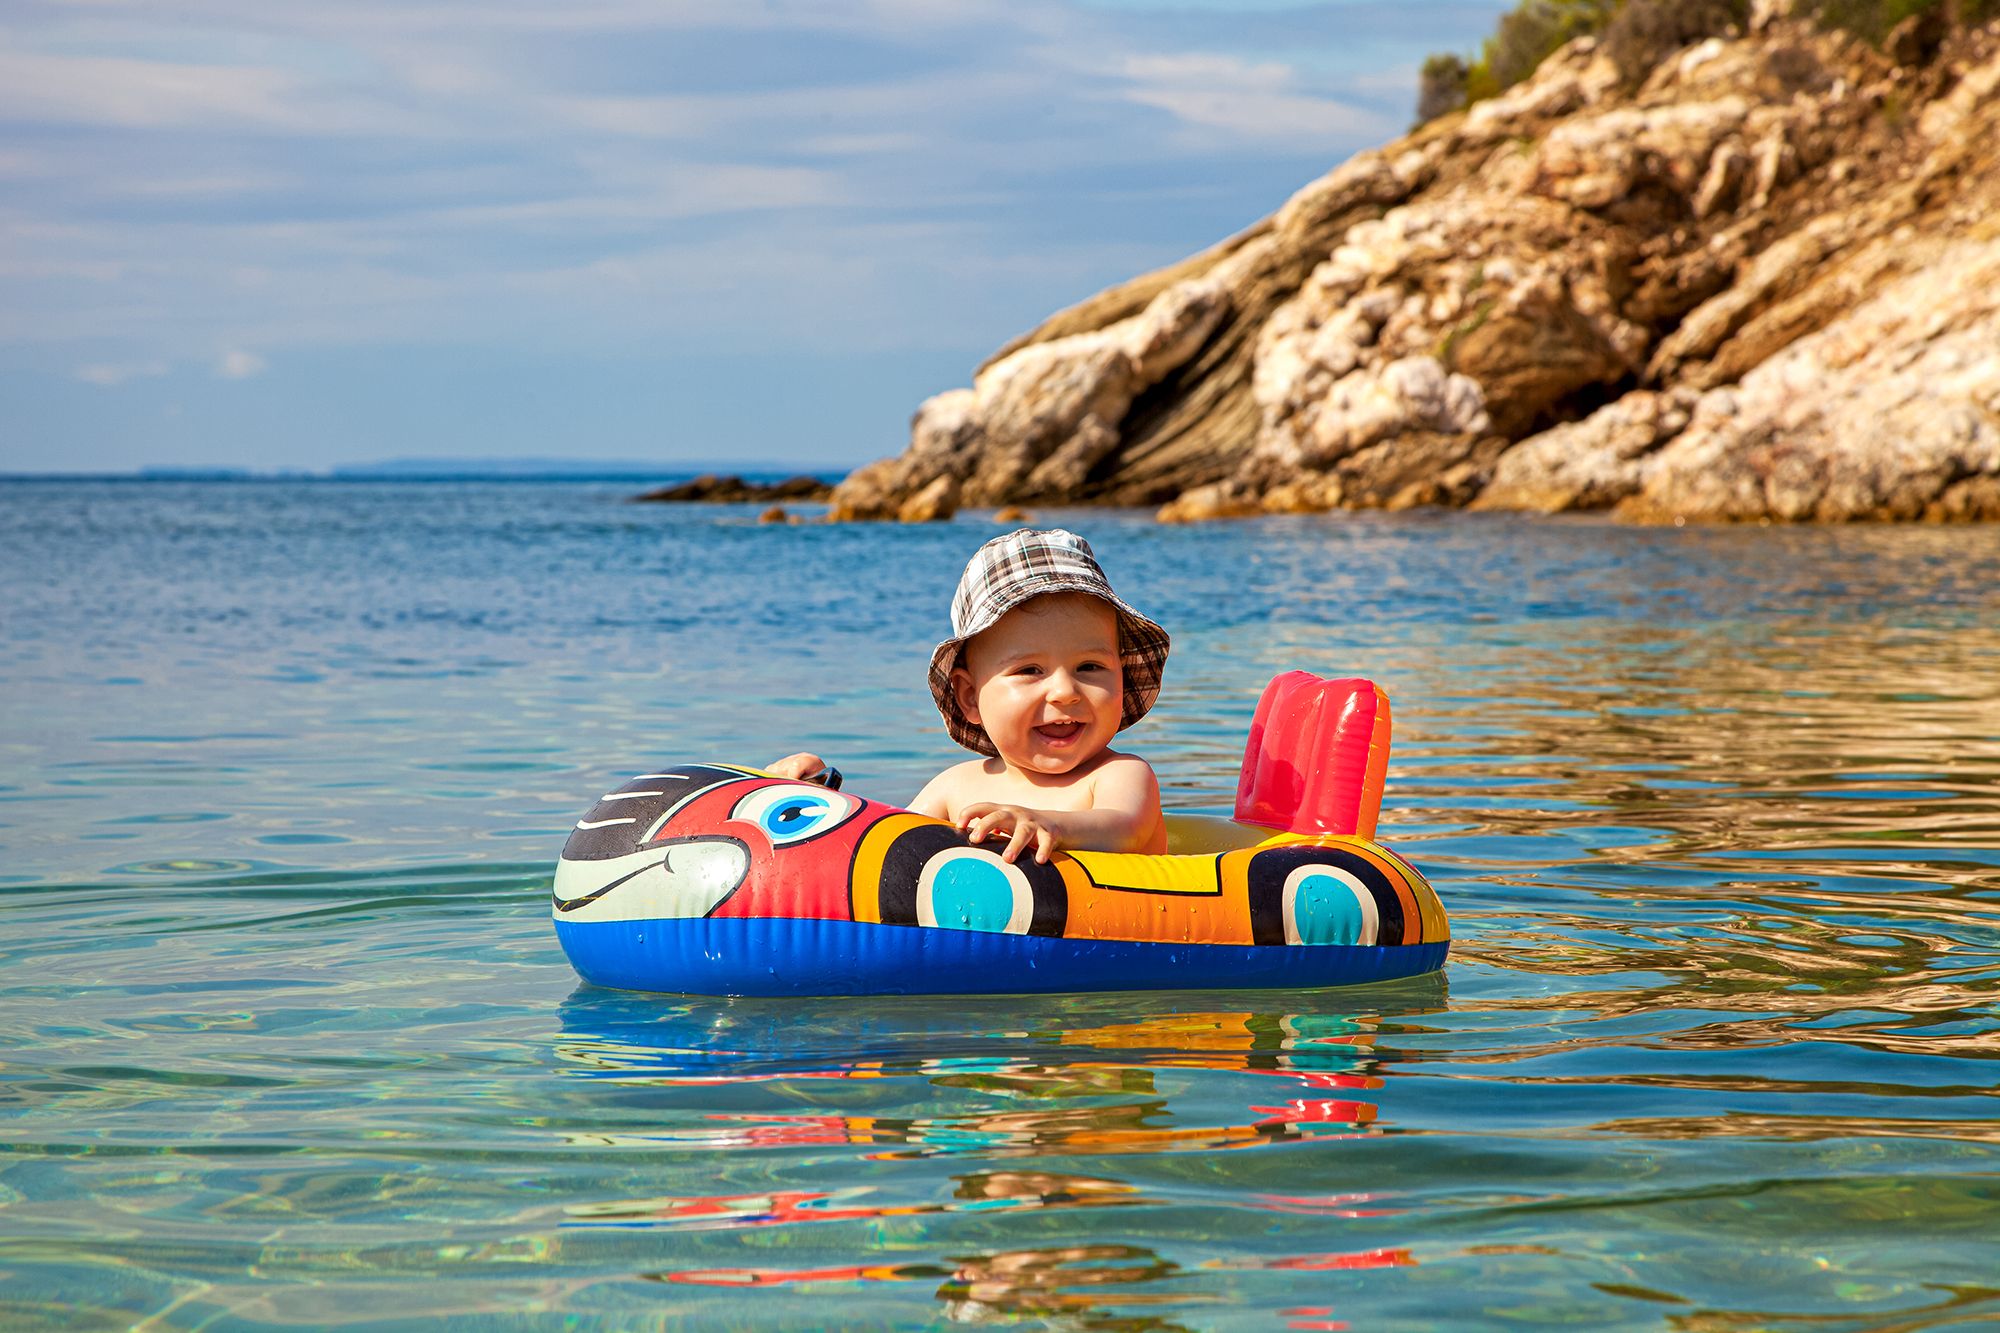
1064	685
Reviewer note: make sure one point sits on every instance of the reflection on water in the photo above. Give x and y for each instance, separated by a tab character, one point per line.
285	1040
1083	1098
1067	1089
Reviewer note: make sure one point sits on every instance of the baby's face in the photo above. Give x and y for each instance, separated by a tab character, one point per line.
1045	682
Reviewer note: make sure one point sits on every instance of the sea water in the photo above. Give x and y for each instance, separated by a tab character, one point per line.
286	1039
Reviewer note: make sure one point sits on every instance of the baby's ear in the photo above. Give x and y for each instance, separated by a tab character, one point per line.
963	690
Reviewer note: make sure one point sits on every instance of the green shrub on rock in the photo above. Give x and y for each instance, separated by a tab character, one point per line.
1644	32
1639	34
1441	86
1871	20
1527	36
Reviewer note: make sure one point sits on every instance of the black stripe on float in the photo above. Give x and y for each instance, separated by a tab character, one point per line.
1268	871
675	786
903	867
1051	896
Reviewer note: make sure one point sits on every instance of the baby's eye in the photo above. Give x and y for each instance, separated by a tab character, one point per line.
1027	671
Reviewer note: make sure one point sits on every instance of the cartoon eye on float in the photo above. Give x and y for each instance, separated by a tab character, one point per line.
1322	895
1319	905
926	874
795	812
972	889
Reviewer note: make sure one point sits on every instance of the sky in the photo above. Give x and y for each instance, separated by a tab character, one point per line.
252	233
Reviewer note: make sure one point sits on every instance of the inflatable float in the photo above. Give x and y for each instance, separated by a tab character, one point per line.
717	879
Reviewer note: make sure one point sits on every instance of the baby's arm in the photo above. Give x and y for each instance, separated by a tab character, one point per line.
935	799
797	767
1124	815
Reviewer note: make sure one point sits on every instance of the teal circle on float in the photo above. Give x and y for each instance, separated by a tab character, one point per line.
1324	911
972	893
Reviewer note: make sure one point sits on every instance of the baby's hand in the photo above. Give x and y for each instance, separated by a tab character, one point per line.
797	767
1027	826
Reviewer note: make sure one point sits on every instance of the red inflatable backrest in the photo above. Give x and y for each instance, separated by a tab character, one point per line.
1316	757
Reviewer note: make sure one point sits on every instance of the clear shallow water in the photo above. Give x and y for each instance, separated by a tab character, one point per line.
286	1040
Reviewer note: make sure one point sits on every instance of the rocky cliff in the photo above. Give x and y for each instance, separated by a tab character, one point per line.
1764	283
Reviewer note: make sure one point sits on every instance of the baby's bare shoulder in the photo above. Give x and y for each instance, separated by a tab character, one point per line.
957	786
1119	765
971	773
1121	778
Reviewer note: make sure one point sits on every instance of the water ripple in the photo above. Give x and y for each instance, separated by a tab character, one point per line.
287	1041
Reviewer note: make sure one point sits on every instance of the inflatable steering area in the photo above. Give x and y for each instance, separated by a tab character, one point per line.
715	879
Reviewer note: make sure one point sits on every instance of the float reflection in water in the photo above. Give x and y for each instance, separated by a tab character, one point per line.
1056	1281
1044	1088
1062	1088
720	880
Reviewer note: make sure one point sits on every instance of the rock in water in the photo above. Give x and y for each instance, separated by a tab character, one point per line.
714	488
1742	290
933	504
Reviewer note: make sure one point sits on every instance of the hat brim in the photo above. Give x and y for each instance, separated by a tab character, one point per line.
1142	658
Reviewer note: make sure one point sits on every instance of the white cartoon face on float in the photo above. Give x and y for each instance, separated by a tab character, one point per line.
684	843
684	878
616	866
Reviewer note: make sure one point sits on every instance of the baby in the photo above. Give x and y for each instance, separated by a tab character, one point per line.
1044	667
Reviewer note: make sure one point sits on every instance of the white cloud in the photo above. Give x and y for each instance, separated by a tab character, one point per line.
659	195
207	185
862	145
232	174
107	375
327	94
1244	100
20	164
785	116
96	90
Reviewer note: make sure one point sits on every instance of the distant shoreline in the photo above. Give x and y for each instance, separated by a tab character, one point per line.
213	475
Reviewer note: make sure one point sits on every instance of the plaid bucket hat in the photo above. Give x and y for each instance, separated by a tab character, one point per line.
1029	563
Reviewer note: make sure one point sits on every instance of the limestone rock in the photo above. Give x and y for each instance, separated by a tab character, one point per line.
1975	499
1890	412
933	504
1592	463
1035	424
1219	499
1419	469
867	494
1742	290
1312	493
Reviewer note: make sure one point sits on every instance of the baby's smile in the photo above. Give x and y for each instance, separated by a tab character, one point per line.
1059	733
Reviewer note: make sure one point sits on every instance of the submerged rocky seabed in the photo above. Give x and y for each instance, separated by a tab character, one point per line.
1765	284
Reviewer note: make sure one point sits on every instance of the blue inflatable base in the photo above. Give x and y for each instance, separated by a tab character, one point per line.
705	956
